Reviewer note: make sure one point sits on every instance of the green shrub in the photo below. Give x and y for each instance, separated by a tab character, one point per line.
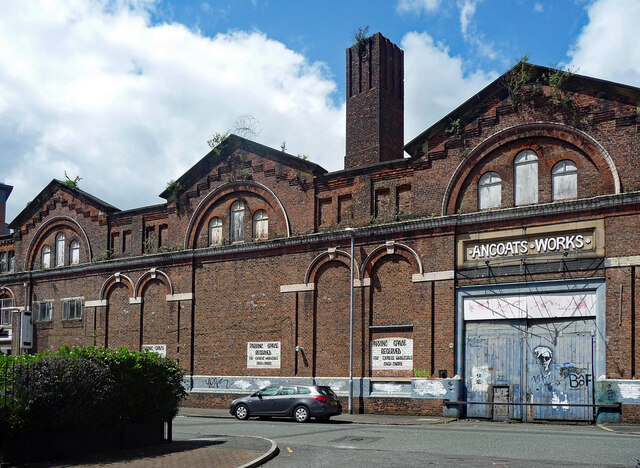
86	387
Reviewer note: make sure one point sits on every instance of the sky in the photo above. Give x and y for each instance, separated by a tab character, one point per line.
125	93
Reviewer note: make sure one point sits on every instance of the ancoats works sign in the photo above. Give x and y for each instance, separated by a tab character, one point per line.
544	242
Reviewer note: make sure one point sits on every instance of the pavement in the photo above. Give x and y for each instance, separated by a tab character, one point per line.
239	452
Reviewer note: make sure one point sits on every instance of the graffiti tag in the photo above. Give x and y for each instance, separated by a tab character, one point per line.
217	382
579	380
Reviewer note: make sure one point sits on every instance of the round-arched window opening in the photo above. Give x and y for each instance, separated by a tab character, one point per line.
564	180
525	167
215	231
489	191
74	252
237	221
260	225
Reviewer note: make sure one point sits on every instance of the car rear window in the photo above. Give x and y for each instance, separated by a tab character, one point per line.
303	390
326	391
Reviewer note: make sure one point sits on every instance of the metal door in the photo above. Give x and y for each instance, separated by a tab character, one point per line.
560	369
493	357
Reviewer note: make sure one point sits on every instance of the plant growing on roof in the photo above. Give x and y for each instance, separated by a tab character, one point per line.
69	182
454	127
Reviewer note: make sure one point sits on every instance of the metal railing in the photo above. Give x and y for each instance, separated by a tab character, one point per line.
497	403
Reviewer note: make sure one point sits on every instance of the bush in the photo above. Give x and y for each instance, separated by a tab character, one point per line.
87	387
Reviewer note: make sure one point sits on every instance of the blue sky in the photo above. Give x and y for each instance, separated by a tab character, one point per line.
125	93
498	31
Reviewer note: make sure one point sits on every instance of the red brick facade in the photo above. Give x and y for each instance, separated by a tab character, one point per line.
155	275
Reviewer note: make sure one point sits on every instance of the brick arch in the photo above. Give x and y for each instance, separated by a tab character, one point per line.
151	275
5	291
592	148
113	280
391	248
46	228
329	256
265	192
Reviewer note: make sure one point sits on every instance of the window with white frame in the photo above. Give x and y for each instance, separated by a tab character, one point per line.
74	253
260	225
237	221
525	167
43	311
489	191
60	249
11	261
5	310
45	257
72	309
215	231
564	180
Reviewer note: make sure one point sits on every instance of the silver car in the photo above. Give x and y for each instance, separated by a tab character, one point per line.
300	402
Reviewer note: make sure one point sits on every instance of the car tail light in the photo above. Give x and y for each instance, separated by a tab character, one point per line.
321	398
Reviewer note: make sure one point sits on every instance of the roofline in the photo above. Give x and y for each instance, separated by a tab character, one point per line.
629	91
233	142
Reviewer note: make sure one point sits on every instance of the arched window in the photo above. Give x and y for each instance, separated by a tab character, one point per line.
526	177
215	231
489	191
74	253
260	225
46	257
237	221
564	180
60	249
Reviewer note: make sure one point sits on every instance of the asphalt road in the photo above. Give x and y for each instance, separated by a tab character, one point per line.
455	444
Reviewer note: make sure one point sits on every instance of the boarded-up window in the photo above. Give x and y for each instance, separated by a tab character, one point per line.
345	211
12	261
564	180
215	231
46	257
383	203
237	221
489	191
60	249
260	225
3	262
74	252
526	177
149	238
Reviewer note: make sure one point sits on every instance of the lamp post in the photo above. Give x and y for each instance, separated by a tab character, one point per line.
352	233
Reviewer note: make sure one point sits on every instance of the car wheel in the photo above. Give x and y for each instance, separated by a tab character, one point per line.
301	413
242	412
323	419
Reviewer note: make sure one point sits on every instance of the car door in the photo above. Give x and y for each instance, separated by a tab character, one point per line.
283	402
263	401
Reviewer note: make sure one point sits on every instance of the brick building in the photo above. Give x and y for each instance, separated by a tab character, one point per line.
498	261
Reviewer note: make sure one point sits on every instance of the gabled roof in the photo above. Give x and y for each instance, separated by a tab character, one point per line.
574	83
233	143
34	205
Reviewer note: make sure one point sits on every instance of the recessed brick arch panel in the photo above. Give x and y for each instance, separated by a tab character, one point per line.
528	136
392	248
153	275
113	280
218	203
326	257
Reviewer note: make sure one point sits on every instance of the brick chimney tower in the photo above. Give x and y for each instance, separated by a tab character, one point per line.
375	102
5	190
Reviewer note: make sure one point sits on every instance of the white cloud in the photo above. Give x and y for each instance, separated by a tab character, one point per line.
608	47
538	7
435	82
470	32
91	88
417	6
467	10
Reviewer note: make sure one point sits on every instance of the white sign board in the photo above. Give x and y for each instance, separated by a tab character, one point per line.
392	354
161	349
531	306
263	354
26	330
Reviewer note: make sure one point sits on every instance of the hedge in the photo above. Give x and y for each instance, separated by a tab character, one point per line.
87	387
